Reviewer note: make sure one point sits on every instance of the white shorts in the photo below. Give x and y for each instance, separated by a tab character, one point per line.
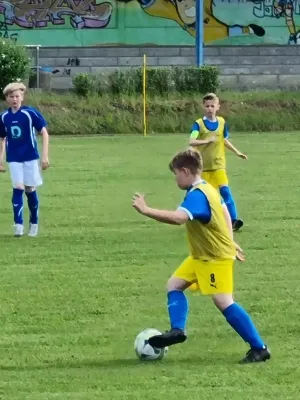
26	173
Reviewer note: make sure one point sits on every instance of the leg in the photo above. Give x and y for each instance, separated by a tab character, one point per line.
33	205
32	179
16	173
220	180
230	203
241	322
216	279
177	306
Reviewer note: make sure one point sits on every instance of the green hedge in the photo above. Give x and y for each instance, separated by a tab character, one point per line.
159	81
14	63
253	111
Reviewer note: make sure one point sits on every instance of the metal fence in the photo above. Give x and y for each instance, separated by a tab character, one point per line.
36	65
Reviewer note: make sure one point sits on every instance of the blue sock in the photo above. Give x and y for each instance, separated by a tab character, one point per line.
17	202
241	322
229	201
178	309
33	205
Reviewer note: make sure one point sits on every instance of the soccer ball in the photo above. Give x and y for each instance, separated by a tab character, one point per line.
143	350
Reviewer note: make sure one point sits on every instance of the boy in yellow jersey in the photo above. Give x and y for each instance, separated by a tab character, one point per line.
210	136
211	259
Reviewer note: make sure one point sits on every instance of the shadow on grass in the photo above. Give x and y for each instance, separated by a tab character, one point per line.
123	363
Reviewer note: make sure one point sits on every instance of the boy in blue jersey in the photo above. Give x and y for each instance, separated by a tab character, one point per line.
210	136
18	127
212	252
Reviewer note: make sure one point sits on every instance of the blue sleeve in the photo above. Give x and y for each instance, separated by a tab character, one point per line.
226	131
38	121
195	127
196	206
3	133
39	114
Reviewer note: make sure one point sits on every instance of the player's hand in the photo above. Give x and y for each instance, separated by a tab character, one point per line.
243	156
45	163
138	202
2	168
240	256
212	139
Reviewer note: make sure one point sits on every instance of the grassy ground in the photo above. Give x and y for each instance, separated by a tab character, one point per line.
255	111
73	299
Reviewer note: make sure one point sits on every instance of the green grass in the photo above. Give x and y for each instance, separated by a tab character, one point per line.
73	299
254	111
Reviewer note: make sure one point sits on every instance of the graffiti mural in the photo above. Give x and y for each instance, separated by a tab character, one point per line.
149	22
40	13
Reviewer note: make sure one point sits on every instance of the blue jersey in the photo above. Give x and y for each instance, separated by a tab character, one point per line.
211	126
20	129
197	206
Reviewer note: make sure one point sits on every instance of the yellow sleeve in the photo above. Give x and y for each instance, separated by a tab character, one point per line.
194	135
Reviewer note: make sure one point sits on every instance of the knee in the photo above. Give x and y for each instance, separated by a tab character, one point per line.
225	193
19	187
29	189
223	301
177	284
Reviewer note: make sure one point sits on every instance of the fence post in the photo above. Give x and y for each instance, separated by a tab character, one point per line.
37	66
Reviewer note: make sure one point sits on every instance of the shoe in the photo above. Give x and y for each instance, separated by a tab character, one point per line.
18	230
169	338
33	230
237	225
256	355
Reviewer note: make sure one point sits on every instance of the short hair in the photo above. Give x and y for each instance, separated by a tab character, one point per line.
12	87
210	96
189	158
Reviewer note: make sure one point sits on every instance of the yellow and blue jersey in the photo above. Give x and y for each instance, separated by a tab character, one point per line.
207	230
213	154
211	126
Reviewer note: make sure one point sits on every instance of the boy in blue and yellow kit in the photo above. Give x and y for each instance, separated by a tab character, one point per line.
210	136
212	255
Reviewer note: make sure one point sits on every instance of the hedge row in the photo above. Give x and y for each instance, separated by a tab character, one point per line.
257	111
159	81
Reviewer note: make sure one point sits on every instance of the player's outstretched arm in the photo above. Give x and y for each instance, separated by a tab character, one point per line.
45	151
231	147
177	217
2	151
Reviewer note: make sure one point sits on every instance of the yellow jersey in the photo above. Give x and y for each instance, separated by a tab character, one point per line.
210	240
213	154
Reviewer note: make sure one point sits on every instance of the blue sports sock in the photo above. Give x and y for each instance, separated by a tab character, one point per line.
178	309
17	202
241	322
229	201
33	205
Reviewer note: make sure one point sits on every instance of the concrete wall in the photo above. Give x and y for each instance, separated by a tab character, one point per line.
240	66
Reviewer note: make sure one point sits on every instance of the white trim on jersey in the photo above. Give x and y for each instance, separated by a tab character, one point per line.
31	128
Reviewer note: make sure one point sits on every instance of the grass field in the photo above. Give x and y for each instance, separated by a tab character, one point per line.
73	299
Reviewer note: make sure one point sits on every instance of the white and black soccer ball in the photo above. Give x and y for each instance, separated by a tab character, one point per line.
144	351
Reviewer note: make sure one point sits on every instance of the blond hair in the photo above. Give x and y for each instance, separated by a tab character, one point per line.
12	87
189	158
210	96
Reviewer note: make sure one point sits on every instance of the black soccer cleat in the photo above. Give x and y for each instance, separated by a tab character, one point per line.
169	338
256	355
237	225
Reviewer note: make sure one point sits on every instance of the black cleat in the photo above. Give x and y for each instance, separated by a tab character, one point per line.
237	225
256	355
169	338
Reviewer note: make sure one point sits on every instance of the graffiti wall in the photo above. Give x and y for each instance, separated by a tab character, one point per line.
151	22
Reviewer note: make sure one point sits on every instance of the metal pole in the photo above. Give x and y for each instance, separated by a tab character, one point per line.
37	67
199	32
